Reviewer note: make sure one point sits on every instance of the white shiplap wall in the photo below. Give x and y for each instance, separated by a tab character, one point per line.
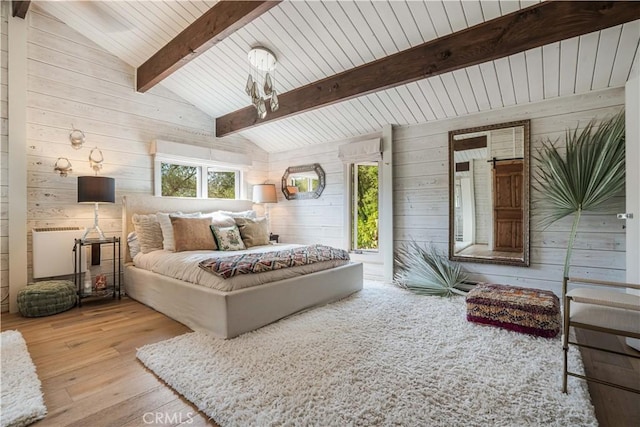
4	167
316	220
421	198
73	81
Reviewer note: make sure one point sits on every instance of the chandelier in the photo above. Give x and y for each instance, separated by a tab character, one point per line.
261	81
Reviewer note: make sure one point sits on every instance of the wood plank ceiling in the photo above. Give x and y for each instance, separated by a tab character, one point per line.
316	39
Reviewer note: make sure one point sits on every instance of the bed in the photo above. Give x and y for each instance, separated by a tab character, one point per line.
227	314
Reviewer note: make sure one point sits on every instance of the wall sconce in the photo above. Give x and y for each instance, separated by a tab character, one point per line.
62	166
77	138
96	159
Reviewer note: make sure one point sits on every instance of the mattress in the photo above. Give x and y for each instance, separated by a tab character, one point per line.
184	266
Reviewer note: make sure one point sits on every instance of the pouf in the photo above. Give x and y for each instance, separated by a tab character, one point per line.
46	298
530	311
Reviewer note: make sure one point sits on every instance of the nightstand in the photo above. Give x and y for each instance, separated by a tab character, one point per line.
111	289
273	238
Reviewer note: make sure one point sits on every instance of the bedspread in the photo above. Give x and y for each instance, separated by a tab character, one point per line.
250	263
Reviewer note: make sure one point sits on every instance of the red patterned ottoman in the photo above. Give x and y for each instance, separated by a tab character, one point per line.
531	311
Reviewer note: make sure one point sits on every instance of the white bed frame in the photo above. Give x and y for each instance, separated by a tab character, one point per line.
226	314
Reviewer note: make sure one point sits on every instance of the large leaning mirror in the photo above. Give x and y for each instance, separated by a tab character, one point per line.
303	182
489	194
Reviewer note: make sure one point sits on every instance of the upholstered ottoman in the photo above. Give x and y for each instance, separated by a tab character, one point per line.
46	298
531	311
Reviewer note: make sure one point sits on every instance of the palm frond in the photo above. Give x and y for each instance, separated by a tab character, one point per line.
591	172
428	272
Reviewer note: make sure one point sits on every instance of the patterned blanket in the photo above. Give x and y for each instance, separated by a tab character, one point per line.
234	265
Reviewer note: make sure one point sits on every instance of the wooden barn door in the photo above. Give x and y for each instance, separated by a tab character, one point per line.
507	205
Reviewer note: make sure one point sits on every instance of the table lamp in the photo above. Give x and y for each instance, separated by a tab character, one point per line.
265	193
96	189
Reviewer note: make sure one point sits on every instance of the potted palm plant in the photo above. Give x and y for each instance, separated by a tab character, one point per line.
590	173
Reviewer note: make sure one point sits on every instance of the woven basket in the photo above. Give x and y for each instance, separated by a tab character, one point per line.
46	298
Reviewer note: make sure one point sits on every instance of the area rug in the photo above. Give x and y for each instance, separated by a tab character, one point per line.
383	356
22	401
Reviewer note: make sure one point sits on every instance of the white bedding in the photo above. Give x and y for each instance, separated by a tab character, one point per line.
184	266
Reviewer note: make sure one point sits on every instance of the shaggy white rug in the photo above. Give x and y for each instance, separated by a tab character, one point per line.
383	356
22	401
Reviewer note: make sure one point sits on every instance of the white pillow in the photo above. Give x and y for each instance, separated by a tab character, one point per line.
243	214
134	245
220	219
168	240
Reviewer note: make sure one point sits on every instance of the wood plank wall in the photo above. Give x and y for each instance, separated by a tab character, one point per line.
421	198
4	167
72	81
421	195
316	220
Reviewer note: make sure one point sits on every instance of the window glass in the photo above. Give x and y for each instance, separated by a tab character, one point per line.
221	184
179	180
365	206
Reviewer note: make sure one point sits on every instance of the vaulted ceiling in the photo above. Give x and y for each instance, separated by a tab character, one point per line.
316	39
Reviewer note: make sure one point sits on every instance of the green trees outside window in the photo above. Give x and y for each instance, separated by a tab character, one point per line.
179	180
221	185
366	206
182	181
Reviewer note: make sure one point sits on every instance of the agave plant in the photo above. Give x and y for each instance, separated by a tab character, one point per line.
585	179
428	272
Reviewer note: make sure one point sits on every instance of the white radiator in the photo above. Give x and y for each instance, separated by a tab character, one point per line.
53	251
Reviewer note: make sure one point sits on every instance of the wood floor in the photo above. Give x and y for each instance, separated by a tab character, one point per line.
614	407
86	361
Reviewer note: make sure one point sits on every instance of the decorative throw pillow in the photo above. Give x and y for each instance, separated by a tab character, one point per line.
148	232
228	238
168	242
254	232
192	234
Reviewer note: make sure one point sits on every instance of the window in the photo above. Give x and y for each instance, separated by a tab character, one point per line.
179	180
187	179
221	184
364	219
368	198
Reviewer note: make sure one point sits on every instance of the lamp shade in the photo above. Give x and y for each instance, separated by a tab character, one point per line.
265	193
96	189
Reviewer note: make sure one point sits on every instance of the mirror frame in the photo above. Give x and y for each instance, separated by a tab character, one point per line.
525	260
314	167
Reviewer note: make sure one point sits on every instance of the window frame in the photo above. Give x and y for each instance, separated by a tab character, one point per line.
203	167
378	265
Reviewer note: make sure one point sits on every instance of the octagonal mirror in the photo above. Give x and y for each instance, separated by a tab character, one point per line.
303	182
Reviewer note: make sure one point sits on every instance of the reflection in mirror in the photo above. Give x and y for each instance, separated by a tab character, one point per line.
489	194
303	182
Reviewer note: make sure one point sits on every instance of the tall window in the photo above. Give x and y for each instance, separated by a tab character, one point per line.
365	206
198	180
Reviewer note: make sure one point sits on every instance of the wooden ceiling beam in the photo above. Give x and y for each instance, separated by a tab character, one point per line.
538	25
20	8
222	20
